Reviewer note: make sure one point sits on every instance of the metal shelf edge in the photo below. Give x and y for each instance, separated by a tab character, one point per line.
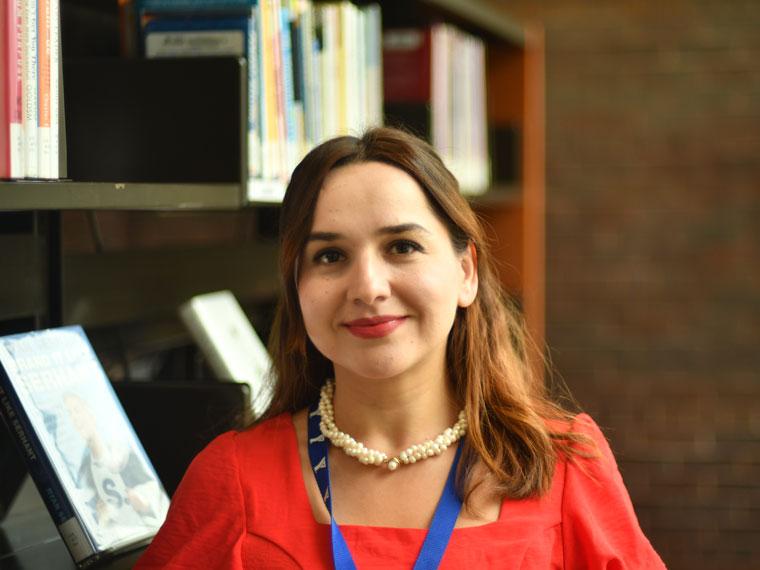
67	195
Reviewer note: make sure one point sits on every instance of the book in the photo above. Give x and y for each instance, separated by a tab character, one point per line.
57	154
434	84
29	92
83	455
233	349
43	88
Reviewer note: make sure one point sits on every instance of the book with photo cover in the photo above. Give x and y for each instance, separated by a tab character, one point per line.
81	451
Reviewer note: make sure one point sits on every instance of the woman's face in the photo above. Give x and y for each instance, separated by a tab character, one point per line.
379	281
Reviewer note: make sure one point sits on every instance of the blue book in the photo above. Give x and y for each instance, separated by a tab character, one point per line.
189	6
98	484
291	130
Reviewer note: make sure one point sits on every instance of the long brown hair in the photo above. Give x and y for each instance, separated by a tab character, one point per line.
515	429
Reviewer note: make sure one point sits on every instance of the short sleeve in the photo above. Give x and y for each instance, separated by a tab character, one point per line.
206	523
599	525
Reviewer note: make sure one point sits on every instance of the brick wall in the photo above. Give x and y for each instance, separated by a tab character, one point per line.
653	263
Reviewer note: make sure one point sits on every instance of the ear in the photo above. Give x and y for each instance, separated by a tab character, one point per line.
469	287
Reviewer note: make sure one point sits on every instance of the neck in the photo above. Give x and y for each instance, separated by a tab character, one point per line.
392	413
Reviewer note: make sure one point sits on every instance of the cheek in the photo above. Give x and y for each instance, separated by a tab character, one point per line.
314	298
436	290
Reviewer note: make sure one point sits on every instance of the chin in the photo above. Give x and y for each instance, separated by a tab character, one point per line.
379	369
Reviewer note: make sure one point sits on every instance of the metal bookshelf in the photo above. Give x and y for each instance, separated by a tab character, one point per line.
66	195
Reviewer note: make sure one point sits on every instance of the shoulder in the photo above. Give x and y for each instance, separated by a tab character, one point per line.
599	522
231	452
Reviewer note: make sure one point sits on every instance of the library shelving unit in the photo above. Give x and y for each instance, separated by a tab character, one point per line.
514	207
125	254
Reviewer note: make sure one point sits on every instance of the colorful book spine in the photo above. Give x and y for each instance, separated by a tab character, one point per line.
55	89
254	90
15	90
43	88
269	93
31	111
288	92
5	103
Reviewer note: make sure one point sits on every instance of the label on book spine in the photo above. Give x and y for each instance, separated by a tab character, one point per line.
75	538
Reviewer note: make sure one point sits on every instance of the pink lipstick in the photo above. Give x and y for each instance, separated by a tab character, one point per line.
375	327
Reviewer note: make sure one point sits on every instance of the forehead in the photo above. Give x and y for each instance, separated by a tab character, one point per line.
371	193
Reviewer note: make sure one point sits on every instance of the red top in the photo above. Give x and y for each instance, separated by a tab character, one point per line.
243	504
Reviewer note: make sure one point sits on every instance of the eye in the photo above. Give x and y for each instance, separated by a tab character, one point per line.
405	247
328	256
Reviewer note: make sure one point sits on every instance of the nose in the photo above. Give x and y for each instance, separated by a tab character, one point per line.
368	280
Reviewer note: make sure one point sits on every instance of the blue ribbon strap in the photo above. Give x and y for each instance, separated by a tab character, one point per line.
441	528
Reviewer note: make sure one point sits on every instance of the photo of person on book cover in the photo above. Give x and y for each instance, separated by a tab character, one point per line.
123	492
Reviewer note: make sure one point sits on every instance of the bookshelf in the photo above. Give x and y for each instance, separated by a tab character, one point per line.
66	266
71	195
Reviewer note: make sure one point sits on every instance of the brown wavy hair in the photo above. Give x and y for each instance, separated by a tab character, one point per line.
515	429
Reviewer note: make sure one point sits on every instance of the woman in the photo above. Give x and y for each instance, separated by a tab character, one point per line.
403	401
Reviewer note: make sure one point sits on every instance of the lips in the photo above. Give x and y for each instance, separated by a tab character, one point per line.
375	327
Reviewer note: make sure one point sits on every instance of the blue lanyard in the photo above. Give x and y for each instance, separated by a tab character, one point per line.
438	535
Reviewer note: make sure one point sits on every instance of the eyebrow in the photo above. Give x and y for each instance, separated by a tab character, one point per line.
386	230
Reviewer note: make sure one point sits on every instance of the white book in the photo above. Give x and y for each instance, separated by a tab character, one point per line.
373	64
29	95
229	342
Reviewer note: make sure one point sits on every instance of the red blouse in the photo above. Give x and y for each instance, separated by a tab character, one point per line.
243	504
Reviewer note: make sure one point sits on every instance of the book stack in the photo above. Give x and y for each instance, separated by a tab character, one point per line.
314	70
31	89
435	84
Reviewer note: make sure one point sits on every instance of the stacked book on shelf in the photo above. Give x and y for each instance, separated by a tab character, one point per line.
30	89
435	83
314	70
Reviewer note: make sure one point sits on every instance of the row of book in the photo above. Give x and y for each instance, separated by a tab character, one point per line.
80	446
30	97
435	81
314	70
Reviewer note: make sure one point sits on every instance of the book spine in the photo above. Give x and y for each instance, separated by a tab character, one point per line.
11	81
288	91
43	88
280	121
5	104
374	58
268	112
31	122
55	86
43	473
306	45
328	71
186	6
341	68
254	108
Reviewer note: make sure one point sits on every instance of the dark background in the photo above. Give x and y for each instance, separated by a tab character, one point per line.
653	254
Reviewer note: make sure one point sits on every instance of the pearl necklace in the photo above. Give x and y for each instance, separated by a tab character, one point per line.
367	456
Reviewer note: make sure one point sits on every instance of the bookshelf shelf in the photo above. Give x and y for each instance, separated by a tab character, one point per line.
66	195
484	17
